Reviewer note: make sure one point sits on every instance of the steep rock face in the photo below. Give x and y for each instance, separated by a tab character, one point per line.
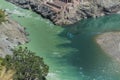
11	35
96	8
73	12
37	6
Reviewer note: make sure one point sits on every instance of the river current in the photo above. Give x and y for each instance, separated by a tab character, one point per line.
70	51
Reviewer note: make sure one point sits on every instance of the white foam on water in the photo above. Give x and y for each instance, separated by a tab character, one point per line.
18	12
48	22
8	10
57	71
57	54
52	76
15	11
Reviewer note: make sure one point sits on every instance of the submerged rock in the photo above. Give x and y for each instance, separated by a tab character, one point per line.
110	43
11	35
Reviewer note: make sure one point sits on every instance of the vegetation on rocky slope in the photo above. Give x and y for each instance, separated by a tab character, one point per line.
24	65
2	15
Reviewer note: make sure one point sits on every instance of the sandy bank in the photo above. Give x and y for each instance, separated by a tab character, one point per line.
110	43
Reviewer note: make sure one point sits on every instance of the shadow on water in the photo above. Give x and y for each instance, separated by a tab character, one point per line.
88	55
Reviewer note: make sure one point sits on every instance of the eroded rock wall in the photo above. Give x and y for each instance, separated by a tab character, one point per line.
79	9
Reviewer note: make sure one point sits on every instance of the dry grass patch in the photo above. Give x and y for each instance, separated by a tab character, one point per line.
6	74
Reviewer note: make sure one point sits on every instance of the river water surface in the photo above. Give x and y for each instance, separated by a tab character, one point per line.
71	52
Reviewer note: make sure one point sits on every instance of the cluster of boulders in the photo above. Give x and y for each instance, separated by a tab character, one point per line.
72	13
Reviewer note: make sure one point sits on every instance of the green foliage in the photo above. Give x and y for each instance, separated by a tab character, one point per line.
2	16
27	65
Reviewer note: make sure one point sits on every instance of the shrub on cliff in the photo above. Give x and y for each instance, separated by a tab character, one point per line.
26	64
2	15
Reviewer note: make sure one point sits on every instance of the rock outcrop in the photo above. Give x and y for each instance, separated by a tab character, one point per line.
110	43
11	35
73	12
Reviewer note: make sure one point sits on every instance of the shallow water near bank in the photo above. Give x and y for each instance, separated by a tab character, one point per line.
71	52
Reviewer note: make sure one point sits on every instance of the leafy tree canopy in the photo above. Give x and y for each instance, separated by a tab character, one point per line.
27	65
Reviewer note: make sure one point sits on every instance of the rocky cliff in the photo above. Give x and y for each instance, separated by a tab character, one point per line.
11	35
73	12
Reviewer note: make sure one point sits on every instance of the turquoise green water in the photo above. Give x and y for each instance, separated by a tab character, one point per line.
71	52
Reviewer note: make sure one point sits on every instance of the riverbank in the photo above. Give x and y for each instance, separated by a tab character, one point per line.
11	35
73	11
75	58
110	43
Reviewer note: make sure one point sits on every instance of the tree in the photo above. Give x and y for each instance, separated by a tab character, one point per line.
27	65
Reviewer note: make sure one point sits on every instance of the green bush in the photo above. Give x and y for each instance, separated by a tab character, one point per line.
27	65
2	16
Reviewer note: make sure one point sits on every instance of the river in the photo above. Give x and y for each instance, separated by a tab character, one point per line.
70	52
